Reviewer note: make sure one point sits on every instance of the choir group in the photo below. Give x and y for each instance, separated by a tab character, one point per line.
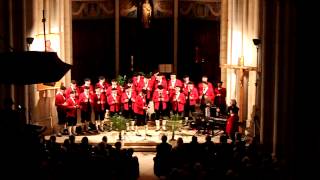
142	98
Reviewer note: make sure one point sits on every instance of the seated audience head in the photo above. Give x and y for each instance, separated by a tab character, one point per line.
164	138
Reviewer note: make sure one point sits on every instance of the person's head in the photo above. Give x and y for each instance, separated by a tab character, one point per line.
104	139
233	102
62	88
85	140
194	139
73	94
147	77
73	84
72	139
130	83
114	82
178	89
159	77
204	79
130	152
190	85
128	88
102	79
173	76
179	141
117	145
98	91
164	138
219	83
186	79
87	82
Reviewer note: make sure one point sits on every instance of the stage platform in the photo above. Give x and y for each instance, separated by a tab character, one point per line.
144	143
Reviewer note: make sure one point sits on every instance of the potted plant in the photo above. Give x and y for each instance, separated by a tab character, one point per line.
174	123
121	80
118	124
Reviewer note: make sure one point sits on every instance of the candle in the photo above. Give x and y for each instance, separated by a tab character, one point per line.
131	60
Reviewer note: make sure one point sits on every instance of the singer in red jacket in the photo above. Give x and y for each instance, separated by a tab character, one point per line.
60	102
140	107
128	100
220	97
99	103
233	119
71	107
178	100
114	100
192	96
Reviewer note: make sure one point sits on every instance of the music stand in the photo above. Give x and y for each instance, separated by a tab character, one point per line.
198	116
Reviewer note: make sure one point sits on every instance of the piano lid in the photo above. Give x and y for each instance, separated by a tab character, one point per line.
31	67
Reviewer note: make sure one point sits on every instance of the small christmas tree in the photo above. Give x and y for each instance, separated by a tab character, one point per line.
174	123
118	124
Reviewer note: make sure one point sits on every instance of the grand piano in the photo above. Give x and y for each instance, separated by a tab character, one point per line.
31	67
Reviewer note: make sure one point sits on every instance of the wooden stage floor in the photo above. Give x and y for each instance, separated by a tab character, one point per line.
143	143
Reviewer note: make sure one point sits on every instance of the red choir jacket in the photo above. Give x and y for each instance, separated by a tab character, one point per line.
185	87
220	95
148	86
163	82
83	101
156	100
139	105
208	94
210	86
71	106
231	126
99	102
178	102
194	96
103	87
114	103
109	90
69	90
138	83
91	89
60	101
125	99
172	86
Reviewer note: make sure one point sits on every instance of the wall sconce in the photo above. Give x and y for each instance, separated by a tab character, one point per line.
29	42
257	42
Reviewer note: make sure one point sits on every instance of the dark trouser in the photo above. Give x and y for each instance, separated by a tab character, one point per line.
128	114
86	116
188	109
160	114
72	121
62	117
141	119
99	115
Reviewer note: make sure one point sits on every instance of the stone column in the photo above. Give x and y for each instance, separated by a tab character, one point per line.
117	36
242	27
223	38
175	34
